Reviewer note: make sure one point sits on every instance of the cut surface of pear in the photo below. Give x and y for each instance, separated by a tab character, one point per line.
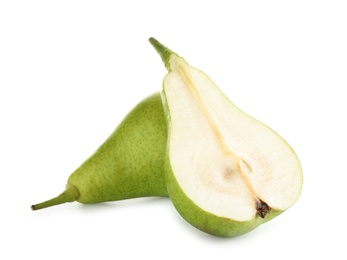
226	172
129	164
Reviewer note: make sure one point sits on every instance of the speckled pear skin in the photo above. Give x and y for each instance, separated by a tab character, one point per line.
129	164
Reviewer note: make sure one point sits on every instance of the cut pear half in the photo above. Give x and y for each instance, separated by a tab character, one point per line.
225	162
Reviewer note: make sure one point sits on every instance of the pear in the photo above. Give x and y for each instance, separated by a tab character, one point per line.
226	172
128	164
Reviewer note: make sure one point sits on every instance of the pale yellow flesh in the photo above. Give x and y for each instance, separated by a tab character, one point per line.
223	159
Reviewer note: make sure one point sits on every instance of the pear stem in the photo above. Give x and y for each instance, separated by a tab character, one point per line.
163	51
70	194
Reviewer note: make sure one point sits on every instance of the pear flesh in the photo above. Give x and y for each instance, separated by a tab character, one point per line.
129	164
226	172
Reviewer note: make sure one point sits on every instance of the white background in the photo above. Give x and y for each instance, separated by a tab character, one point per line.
71	70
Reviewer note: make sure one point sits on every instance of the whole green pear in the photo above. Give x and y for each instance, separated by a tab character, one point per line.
129	164
226	172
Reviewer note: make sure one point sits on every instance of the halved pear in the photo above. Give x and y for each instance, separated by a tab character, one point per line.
226	172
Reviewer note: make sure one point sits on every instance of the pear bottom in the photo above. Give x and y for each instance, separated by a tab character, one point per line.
206	221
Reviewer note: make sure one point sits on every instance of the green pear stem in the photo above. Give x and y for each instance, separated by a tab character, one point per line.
163	51
70	194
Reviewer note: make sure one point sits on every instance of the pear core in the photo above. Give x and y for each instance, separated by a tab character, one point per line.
225	161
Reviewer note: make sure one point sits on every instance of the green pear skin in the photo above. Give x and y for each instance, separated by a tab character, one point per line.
129	164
